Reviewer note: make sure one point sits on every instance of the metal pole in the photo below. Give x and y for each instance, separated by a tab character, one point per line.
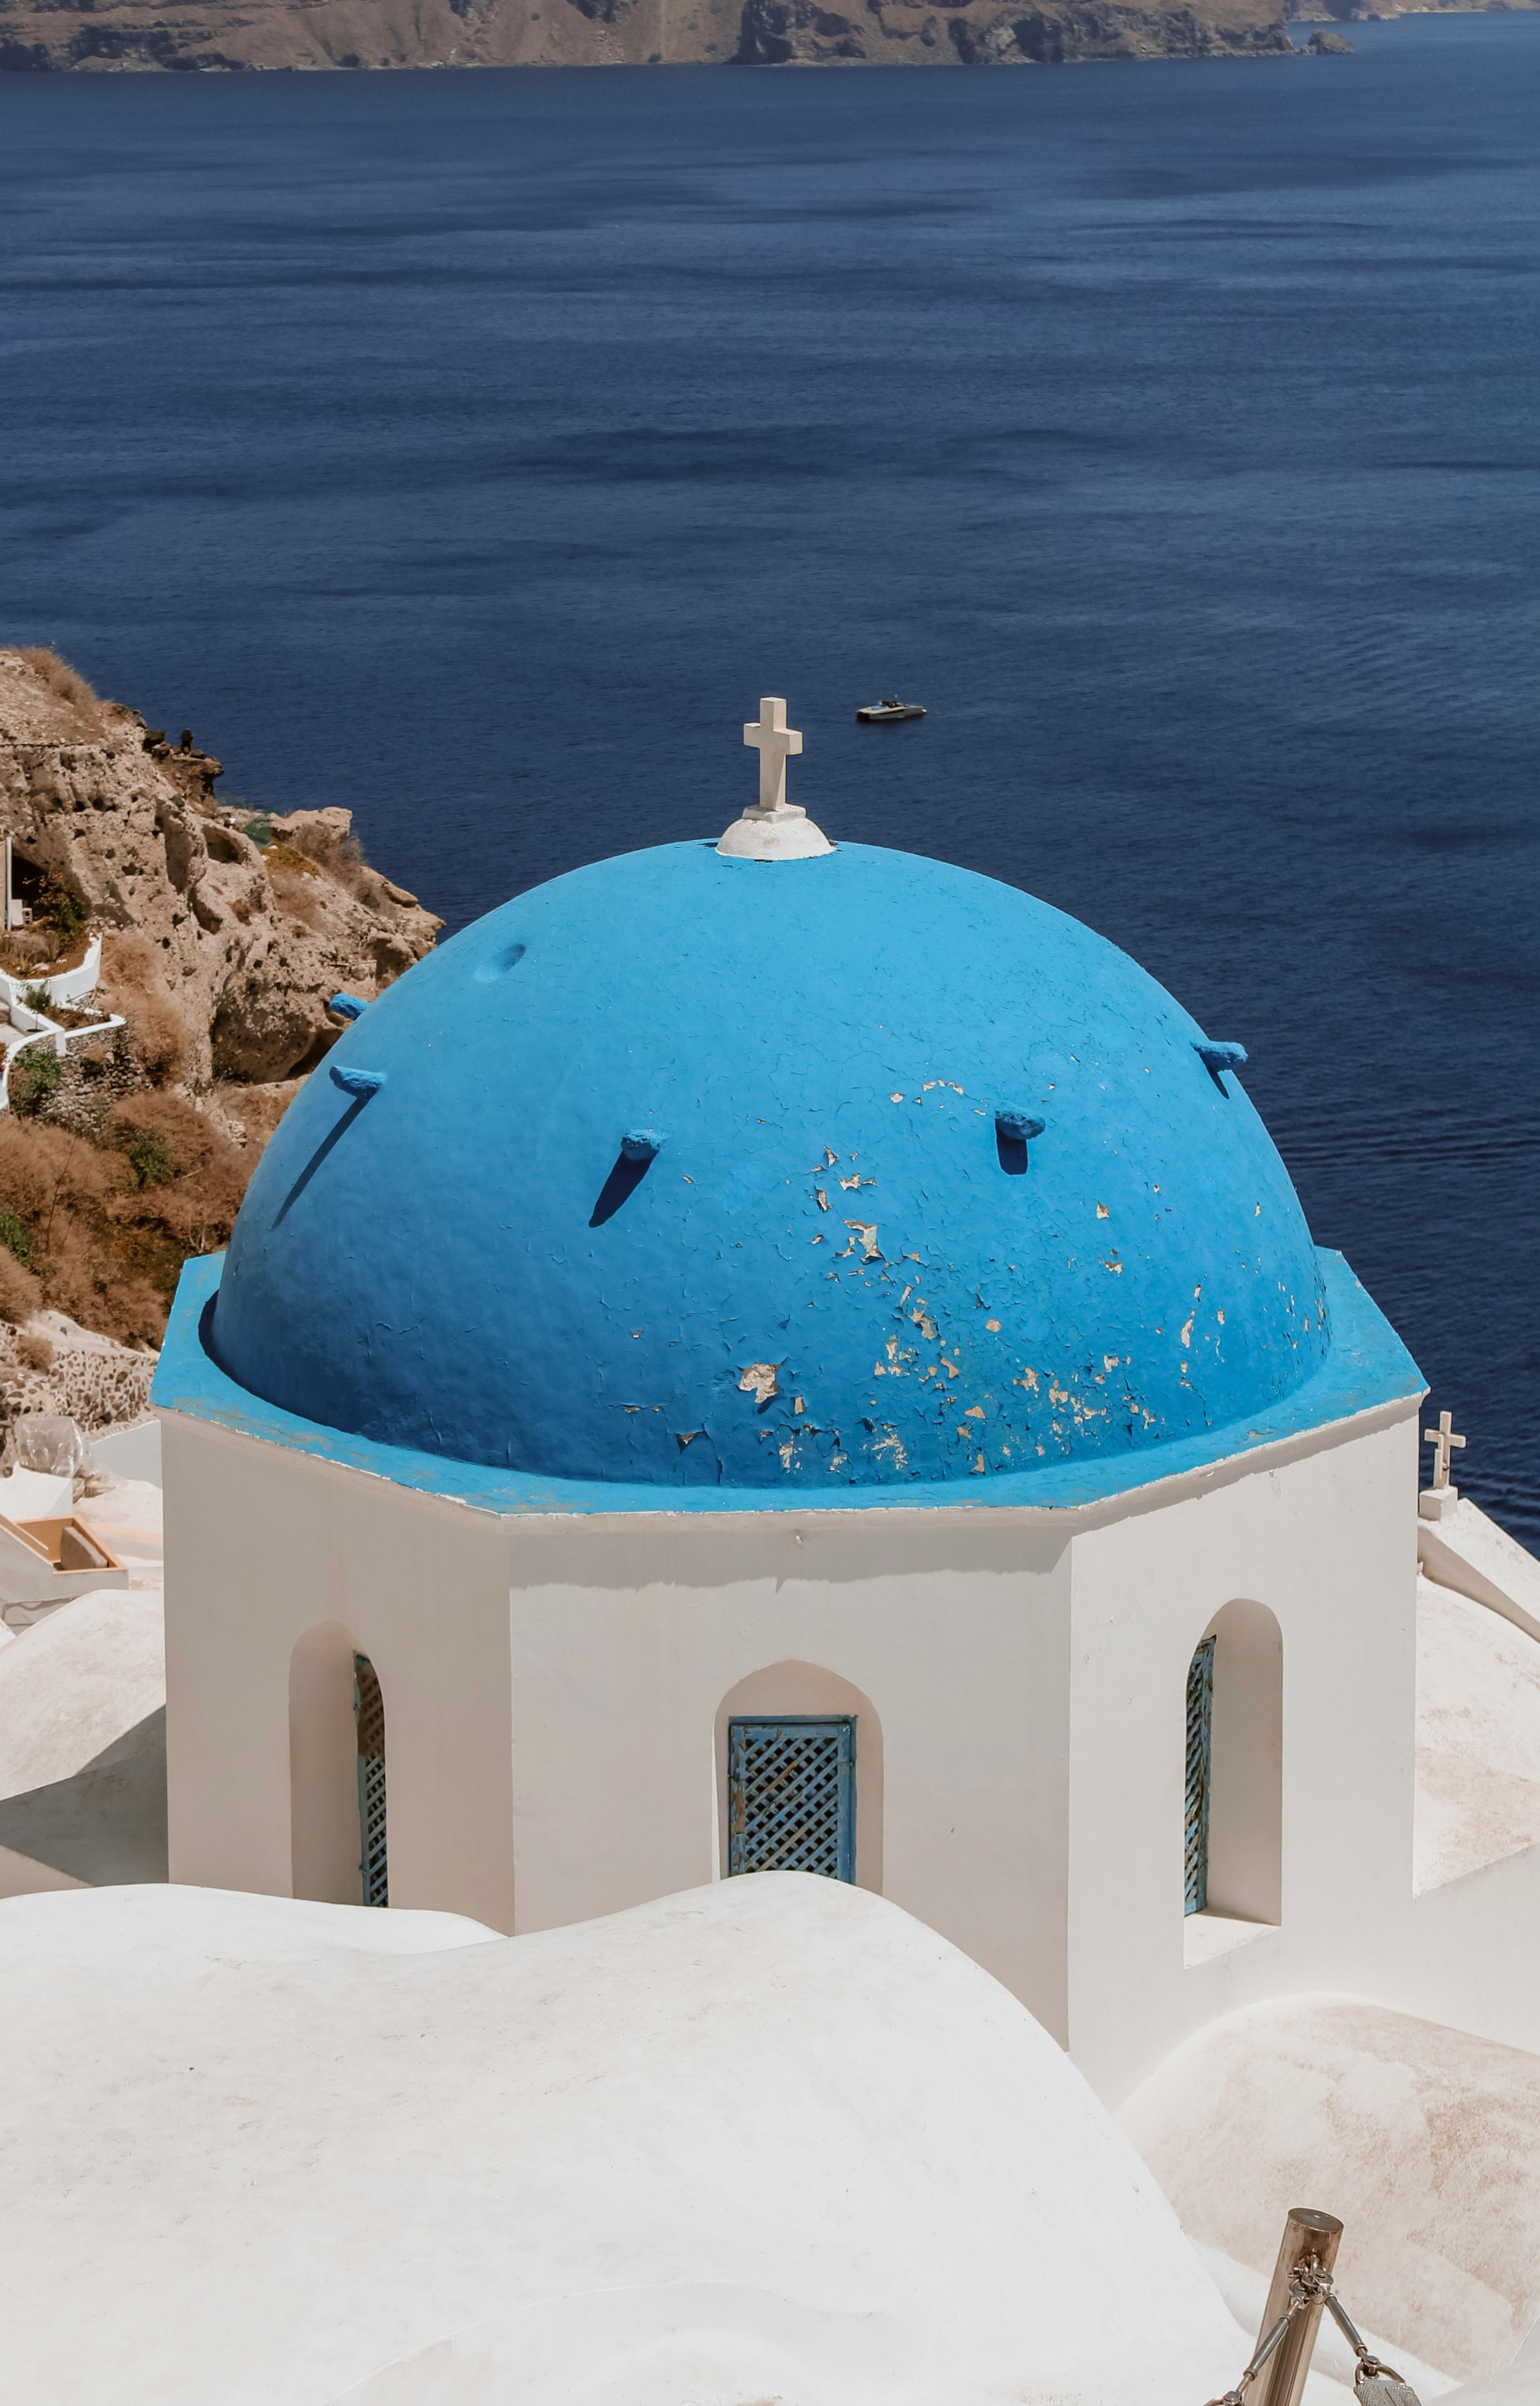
1309	2238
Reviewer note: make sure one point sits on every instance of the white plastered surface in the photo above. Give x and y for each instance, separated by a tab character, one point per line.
769	2139
1423	2139
1477	1736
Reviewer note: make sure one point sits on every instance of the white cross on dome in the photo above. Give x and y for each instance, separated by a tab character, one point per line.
776	741
773	828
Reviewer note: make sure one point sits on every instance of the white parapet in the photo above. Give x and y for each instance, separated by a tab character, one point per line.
1463	1551
74	985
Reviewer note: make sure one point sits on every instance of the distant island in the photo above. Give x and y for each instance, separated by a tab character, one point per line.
53	35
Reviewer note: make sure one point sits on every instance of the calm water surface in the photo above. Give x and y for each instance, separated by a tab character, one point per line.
473	449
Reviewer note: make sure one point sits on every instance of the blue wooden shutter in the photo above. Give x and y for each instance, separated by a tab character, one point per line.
791	1796
1200	1730
369	1713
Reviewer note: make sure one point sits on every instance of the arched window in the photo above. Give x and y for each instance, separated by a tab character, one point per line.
798	1778
368	1714
1232	1833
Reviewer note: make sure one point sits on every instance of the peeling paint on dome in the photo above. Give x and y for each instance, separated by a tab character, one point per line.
465	1268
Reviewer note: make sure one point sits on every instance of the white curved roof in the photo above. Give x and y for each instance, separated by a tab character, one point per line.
770	2139
1423	2139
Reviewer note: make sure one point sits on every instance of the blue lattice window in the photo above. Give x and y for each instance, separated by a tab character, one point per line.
369	1713
791	1796
1200	1735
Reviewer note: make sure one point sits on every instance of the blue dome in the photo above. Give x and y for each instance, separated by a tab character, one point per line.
860	1169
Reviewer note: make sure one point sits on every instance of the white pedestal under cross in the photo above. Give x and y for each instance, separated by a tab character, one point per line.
776	741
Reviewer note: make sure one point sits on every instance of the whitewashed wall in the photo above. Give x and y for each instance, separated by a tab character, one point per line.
556	1691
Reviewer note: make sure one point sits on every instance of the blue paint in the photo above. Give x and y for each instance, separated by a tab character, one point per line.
497	964
830	1044
642	1144
361	1082
1367	1367
469	1271
348	1006
1215	1057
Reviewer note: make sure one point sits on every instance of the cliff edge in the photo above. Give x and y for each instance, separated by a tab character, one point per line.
126	1145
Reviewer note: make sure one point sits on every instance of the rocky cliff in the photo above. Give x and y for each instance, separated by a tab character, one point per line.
224	933
135	33
246	923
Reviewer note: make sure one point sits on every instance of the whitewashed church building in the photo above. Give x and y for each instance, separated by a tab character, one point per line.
821	1369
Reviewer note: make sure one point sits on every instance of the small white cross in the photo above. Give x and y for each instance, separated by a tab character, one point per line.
1443	1437
774	741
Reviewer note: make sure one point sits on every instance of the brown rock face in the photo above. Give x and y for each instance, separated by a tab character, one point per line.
240	940
133	34
222	942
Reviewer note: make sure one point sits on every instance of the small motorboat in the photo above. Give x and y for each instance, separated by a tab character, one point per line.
880	714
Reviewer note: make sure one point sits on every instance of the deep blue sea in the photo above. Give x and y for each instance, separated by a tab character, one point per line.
473	449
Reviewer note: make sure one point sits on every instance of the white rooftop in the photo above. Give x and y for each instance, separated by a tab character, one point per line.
768	2140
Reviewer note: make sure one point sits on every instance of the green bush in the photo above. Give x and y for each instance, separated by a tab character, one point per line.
35	1072
150	1158
260	829
19	1239
37	998
63	910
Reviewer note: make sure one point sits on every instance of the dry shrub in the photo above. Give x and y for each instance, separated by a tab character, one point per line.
59	677
339	856
305	910
34	1350
185	1179
21	1295
189	1138
133	979
298	886
132	965
62	1189
200	1212
85	1277
46	1172
22	951
157	1035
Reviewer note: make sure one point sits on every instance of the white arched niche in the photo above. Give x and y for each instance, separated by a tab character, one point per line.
1245	1812
323	1767
807	1690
